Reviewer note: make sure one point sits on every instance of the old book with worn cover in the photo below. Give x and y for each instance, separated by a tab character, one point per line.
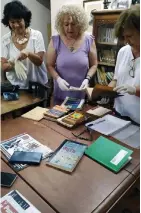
35	114
100	91
56	112
108	153
99	111
67	155
72	119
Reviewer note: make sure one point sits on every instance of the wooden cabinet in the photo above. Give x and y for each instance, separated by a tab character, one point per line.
107	45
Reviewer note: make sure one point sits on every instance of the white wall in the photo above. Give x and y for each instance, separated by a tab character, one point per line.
55	5
41	16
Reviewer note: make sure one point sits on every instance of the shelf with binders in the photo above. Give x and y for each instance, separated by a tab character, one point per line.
104	75
106	64
107	55
107	43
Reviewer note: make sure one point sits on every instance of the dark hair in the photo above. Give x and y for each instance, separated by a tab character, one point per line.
16	10
129	19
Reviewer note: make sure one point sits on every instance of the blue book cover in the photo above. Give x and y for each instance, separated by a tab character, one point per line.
67	155
73	103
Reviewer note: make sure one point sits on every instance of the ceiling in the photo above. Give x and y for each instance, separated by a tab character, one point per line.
46	3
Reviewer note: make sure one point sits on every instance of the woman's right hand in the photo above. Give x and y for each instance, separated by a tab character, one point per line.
103	101
63	85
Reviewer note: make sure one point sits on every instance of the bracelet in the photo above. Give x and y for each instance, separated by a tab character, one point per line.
88	77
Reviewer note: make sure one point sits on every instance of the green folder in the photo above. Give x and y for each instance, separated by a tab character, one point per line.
108	153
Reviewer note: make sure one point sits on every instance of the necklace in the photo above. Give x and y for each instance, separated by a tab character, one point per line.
22	40
71	47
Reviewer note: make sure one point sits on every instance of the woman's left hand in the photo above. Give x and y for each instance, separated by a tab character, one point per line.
84	84
125	88
23	55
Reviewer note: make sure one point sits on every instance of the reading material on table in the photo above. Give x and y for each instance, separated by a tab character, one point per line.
14	202
35	114
108	153
73	103
72	119
100	91
23	142
56	112
129	135
108	124
67	155
99	111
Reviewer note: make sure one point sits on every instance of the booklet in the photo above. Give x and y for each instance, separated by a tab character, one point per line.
73	103
35	114
67	155
108	124
23	142
14	202
108	153
99	111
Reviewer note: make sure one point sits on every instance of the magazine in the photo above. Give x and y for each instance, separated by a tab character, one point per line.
14	202
23	142
67	155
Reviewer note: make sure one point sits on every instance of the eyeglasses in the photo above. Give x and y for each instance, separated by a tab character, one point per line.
132	68
83	138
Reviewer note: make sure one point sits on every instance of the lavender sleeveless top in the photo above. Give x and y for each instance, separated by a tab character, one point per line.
71	66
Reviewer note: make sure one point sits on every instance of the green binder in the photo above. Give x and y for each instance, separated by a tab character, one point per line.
108	153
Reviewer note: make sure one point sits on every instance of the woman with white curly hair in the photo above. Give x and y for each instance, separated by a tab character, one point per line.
71	55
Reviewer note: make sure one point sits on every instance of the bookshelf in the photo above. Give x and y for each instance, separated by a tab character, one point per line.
107	45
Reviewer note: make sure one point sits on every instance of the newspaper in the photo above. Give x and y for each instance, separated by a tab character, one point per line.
26	143
14	202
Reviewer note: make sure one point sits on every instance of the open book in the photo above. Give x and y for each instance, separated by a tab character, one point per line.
73	103
108	124
100	91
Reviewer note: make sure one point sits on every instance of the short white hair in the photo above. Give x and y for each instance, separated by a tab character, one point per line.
78	15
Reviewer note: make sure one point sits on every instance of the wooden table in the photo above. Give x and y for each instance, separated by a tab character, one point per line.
26	191
131	167
25	100
90	188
